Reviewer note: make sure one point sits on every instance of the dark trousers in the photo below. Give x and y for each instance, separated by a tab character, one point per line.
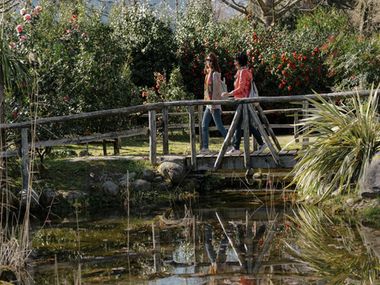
238	132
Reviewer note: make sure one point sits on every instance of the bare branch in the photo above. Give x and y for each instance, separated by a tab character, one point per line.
237	8
239	5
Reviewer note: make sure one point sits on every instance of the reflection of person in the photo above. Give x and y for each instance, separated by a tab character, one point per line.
212	91
243	80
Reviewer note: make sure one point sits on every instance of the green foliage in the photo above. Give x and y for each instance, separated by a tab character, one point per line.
354	61
348	138
148	42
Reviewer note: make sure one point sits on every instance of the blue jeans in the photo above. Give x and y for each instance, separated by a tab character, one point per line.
238	132
215	114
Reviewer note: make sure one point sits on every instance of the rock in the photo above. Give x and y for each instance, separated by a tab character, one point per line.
163	186
72	196
47	197
148	175
172	170
109	187
158	179
370	185
141	185
84	153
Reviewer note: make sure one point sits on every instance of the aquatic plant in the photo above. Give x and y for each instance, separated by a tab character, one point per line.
332	248
347	135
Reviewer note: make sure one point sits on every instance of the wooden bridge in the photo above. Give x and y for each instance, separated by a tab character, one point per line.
275	158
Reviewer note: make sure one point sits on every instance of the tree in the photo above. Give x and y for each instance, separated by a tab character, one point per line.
265	12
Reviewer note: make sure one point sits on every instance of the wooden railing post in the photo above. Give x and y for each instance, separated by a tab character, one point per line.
296	127
246	136
200	119
305	139
192	138
152	137
165	134
25	159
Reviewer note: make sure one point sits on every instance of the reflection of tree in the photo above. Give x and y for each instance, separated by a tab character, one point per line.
332	248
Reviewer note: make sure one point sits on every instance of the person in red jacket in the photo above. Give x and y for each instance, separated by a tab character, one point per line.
242	85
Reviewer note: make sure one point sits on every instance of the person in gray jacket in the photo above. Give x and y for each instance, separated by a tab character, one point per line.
212	91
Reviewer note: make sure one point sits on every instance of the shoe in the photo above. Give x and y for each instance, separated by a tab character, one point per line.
234	152
261	148
229	149
205	151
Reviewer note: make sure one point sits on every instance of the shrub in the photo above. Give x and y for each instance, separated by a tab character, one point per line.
348	137
148	41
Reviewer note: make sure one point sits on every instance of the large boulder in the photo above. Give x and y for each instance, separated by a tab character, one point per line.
148	175
370	186
141	185
172	170
109	187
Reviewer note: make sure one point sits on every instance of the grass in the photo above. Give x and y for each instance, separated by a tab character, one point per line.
372	216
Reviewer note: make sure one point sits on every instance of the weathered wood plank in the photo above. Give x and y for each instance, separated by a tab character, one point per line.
263	133
305	139
152	137
267	126
227	140
200	118
92	138
246	136
192	138
157	106
165	131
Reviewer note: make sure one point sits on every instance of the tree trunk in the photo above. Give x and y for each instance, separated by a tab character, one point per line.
268	13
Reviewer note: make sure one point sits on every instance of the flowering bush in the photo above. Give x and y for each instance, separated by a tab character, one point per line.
147	41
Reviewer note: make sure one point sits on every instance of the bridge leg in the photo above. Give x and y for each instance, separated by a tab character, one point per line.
200	119
305	139
165	135
227	140
261	129
192	138
246	136
152	137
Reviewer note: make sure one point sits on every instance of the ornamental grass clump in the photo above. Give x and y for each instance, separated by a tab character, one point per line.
347	135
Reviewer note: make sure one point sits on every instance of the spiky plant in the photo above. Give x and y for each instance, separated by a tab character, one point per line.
333	249
347	135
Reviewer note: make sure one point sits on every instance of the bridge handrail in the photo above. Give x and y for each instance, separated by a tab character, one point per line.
157	106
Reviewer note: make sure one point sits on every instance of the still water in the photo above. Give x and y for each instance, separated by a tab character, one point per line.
229	237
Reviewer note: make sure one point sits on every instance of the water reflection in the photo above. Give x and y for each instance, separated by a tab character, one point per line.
334	248
215	241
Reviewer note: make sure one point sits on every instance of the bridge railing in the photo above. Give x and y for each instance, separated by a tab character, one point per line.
194	108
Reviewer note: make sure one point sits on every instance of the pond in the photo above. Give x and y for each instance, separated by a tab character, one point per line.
227	237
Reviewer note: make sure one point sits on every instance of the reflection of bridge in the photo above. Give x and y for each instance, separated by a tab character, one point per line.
275	158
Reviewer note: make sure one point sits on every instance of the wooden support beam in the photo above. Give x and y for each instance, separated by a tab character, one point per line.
192	137
200	119
227	140
296	127
305	139
231	241
152	137
25	159
267	126
104	143
165	130
116	146
264	135
247	158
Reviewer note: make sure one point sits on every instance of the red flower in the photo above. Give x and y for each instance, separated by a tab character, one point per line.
27	17
290	88
19	29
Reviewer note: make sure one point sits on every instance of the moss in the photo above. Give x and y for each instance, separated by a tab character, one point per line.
371	216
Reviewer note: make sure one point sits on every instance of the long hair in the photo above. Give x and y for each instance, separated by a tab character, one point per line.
213	62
